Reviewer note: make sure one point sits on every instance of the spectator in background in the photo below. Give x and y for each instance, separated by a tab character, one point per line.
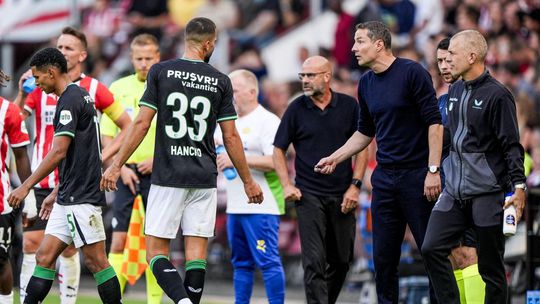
258	21
148	17
101	23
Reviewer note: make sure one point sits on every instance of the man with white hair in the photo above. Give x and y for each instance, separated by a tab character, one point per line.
485	161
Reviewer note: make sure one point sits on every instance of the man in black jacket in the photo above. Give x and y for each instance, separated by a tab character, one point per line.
486	159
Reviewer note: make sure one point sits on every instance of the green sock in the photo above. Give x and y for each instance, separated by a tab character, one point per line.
154	293
116	260
458	273
475	288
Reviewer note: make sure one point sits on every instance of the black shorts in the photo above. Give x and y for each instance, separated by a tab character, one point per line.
123	201
7	229
469	238
39	224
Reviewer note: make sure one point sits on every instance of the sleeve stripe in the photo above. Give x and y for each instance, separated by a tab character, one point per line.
227	118
64	133
28	109
151	106
21	144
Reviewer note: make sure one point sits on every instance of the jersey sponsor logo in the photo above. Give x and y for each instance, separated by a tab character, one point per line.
65	117
261	245
194	80
186	151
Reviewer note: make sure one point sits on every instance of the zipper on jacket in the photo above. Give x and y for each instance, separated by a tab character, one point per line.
461	135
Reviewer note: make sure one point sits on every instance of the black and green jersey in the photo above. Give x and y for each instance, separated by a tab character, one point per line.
190	98
80	171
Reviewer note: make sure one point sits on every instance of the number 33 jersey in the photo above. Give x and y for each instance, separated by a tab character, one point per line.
190	98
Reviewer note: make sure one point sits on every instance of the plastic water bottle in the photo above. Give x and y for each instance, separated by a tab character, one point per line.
509	217
29	85
230	173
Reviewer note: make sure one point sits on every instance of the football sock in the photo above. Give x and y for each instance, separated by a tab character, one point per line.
154	293
39	285
458	273
69	273
108	286
194	283
475	288
116	260
27	269
168	278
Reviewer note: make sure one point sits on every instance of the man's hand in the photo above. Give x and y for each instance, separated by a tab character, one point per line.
253	192
47	206
518	200
432	186
145	167
326	165
223	161
350	199
16	197
292	194
109	178
129	178
23	78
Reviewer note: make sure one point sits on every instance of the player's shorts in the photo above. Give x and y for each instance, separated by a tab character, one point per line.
81	224
468	239
7	229
192	209
39	224
123	202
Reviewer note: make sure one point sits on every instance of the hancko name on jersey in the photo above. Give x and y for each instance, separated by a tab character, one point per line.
194	80
186	151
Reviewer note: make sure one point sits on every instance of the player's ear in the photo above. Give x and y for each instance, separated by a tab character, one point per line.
82	56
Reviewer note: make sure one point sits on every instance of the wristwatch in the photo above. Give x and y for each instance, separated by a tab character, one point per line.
357	183
522	186
434	169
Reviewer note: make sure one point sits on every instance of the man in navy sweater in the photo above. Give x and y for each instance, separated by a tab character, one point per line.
397	105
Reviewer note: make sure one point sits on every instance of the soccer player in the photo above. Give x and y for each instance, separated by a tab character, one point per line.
76	216
72	43
190	98
253	229
137	172
14	134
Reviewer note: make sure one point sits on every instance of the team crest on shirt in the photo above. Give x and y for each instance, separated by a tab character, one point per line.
65	117
261	245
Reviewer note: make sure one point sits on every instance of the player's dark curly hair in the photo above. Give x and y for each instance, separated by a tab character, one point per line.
200	28
49	57
3	78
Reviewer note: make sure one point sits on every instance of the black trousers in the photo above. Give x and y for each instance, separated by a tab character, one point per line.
398	200
449	219
327	240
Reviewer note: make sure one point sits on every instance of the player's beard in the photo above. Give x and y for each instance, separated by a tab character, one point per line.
207	56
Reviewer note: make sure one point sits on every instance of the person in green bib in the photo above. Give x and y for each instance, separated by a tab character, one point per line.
135	175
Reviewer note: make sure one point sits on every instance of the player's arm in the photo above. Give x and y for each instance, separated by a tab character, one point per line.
233	145
123	121
57	153
134	136
356	144
23	163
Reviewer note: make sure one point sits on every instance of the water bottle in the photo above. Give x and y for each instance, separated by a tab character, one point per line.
509	217
230	173
29	85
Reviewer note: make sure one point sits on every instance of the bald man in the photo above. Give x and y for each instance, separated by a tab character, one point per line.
253	229
317	123
485	161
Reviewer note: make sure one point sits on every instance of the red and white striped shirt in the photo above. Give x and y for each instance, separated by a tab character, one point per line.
43	106
14	134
